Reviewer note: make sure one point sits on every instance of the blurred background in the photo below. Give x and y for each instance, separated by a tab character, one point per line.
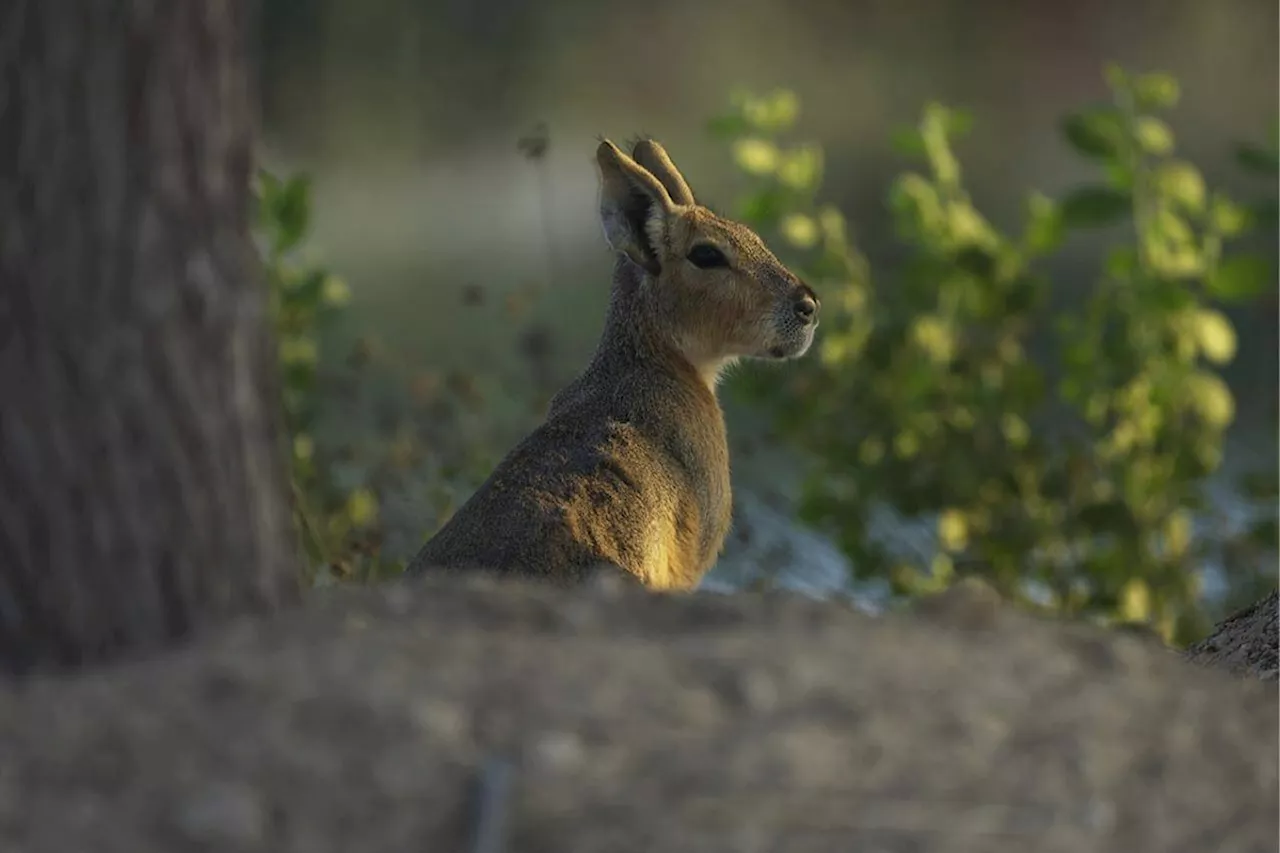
449	151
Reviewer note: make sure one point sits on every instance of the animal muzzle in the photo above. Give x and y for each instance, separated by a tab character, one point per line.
805	304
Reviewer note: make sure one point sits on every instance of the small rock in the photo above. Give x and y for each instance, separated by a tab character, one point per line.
559	751
970	603
398	598
754	690
221	815
440	719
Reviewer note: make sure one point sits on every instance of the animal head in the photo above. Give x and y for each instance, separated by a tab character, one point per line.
710	284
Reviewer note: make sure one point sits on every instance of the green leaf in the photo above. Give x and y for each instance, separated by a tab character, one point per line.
1121	263
309	289
1265	213
1108	517
1094	206
1256	159
1044	226
728	126
801	168
772	112
958	123
1116	76
1227	217
1023	294
762	208
1155	92
335	291
1153	135
755	155
1240	277
1171	230
977	261
907	141
935	130
268	184
1119	174
291	212
1098	133
1181	182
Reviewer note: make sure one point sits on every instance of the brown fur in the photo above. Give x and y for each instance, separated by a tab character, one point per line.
631	467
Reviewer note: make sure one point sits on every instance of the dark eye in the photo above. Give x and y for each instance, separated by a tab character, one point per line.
705	256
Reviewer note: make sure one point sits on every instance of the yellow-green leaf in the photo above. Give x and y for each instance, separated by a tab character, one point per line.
1015	430
1177	533
1135	601
1183	183
935	337
870	451
362	507
1153	135
1215	335
303	446
799	230
755	156
953	530
942	569
1228	218
1155	91
336	291
1211	398
801	168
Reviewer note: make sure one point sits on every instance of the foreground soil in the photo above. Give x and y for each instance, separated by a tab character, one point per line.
444	715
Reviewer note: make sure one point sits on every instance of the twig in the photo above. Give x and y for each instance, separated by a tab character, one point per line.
492	807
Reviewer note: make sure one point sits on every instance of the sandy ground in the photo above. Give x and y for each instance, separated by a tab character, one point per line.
452	715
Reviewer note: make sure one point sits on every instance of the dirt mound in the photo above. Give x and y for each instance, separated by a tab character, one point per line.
614	720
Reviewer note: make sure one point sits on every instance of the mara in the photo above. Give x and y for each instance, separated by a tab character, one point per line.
631	467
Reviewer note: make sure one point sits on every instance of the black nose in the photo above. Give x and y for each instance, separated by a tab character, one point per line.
806	306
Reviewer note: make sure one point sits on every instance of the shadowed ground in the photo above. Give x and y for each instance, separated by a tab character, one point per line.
635	722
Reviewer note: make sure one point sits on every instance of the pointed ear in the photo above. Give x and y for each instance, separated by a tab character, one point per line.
634	207
652	156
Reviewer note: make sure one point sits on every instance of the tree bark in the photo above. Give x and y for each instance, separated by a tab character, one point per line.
1245	643
142	484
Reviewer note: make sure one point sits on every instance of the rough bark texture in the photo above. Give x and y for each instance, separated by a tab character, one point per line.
1246	644
639	722
141	481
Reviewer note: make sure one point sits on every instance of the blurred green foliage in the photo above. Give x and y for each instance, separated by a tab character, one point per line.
302	296
1072	485
378	450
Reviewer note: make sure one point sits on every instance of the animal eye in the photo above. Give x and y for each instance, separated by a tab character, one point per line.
705	256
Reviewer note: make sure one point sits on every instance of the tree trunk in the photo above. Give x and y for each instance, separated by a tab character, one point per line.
142	484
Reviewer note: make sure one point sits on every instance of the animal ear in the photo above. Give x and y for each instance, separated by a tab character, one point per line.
634	207
652	156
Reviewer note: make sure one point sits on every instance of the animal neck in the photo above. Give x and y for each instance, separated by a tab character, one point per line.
631	333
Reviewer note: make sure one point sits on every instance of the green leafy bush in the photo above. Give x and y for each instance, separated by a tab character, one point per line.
1071	483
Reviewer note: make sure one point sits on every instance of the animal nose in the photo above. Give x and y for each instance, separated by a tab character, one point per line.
806	306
